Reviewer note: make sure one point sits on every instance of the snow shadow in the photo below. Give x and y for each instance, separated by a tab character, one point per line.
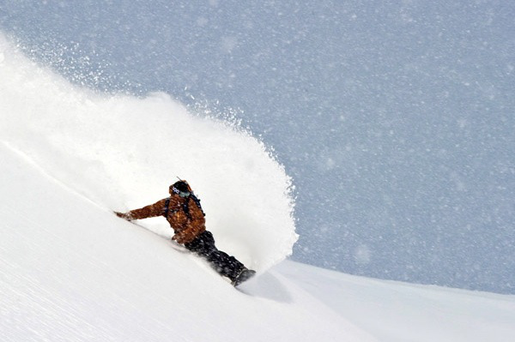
266	286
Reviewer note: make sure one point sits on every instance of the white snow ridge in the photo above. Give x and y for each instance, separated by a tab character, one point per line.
72	271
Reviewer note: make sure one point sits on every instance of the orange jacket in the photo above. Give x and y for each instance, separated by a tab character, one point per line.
184	215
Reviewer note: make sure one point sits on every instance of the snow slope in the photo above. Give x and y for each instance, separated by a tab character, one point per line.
72	271
395	311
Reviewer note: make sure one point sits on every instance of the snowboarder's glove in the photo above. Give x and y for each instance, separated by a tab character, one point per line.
125	216
182	238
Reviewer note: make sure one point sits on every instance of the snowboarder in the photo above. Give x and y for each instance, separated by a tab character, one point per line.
185	215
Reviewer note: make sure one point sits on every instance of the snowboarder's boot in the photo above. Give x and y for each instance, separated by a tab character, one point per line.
244	275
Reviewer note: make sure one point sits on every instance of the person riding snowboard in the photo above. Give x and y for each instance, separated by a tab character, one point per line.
185	215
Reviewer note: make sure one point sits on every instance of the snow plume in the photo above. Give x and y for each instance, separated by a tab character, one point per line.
122	152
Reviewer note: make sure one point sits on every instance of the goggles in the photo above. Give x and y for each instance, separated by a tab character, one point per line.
183	194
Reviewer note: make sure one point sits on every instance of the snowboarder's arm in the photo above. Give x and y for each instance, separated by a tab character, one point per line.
152	210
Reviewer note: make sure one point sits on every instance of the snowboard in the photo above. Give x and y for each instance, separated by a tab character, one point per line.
245	275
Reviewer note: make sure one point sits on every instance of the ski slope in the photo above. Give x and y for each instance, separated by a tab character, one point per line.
72	271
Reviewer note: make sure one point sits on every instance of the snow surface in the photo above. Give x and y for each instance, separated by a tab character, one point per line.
72	271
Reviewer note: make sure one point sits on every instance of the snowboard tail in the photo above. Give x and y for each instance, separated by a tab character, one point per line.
245	275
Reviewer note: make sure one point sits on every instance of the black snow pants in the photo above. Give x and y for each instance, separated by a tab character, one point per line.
225	265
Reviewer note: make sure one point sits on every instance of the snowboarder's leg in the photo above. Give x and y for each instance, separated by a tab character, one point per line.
224	264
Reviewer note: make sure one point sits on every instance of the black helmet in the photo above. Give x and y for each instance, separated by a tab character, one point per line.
181	188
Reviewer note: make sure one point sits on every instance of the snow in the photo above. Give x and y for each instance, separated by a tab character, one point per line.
72	271
123	152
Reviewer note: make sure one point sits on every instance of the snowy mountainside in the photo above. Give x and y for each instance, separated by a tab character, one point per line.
396	311
74	272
